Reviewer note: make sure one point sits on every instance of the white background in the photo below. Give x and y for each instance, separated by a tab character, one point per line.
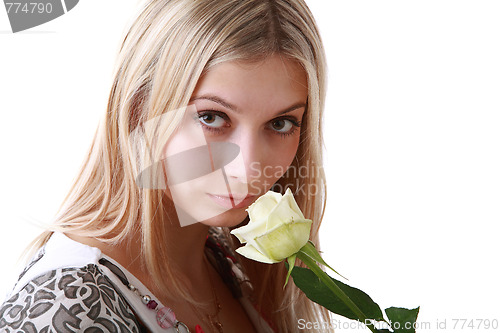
412	142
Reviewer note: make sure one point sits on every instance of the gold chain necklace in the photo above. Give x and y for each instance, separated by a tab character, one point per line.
214	319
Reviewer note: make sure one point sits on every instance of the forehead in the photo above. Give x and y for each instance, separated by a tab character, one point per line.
272	83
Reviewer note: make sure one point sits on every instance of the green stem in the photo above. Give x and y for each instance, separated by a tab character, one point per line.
335	289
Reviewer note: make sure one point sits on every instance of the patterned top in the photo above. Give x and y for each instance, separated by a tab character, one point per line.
67	288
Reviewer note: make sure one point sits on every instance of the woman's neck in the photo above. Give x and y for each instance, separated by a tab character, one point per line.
184	250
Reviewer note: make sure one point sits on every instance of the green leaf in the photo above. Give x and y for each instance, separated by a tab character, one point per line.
318	292
291	264
402	320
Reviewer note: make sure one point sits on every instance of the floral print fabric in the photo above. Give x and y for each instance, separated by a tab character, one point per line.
68	300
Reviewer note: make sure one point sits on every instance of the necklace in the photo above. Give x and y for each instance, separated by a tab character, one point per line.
214	319
165	317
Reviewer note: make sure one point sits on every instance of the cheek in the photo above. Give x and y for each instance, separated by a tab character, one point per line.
184	139
280	158
289	150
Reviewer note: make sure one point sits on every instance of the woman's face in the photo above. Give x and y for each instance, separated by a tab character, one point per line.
238	136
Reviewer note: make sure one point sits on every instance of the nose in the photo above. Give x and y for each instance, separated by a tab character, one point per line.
246	167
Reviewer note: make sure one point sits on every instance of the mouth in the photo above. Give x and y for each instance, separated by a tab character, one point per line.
232	201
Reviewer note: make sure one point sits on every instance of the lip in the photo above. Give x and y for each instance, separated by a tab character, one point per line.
230	201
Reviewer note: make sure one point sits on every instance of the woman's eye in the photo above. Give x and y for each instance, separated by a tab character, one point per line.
282	125
211	120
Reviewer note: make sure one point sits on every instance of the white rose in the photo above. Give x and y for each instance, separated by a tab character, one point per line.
277	228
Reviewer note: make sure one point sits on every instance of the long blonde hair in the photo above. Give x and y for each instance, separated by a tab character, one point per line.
169	46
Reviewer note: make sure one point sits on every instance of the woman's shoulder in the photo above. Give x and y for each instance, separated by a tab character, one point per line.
64	288
68	299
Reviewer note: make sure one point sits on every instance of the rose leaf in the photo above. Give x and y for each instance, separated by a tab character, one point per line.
318	292
404	318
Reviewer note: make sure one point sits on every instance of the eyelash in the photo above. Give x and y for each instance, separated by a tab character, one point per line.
295	123
212	113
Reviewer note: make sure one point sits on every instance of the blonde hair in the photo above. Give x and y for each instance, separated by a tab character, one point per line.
167	49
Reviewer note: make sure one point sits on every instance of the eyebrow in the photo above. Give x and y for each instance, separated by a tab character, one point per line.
232	107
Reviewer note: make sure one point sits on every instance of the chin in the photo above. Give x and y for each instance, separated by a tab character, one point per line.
230	218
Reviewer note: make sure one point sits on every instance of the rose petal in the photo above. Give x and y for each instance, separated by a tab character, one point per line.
250	231
261	208
251	253
283	213
284	240
288	196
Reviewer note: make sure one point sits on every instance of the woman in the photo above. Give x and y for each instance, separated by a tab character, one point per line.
212	101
